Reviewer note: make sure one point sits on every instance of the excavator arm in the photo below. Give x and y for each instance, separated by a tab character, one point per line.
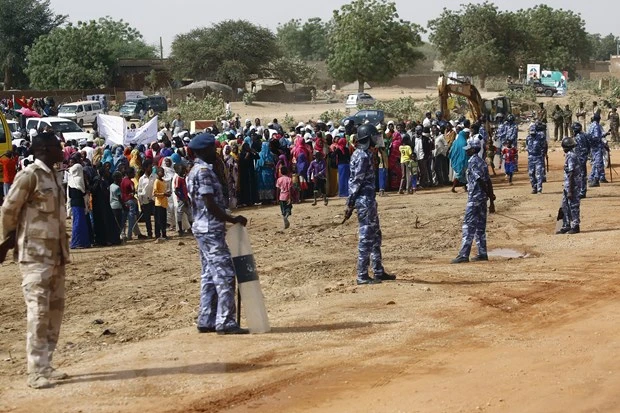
460	88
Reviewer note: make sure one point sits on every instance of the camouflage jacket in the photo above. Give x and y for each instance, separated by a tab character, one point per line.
35	209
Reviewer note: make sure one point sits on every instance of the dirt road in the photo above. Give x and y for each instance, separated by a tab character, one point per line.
533	334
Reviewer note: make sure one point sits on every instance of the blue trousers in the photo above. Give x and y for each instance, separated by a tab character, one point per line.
80	238
344	173
369	247
536	171
571	211
217	283
598	166
474	227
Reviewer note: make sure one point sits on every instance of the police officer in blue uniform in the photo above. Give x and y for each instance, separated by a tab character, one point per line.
582	149
597	147
479	189
217	287
536	148
362	198
572	183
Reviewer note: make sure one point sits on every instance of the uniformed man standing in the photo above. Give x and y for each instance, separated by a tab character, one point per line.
567	117
558	122
582	150
536	145
570	198
33	223
362	198
614	124
479	189
217	287
597	148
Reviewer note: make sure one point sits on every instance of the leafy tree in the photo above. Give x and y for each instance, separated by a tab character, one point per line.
603	47
83	55
307	41
291	71
200	53
474	40
369	42
21	23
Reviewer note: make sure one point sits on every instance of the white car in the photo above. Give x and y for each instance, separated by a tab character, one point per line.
14	128
69	129
81	112
357	99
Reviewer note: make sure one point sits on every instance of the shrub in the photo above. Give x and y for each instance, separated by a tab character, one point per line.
211	107
333	115
248	98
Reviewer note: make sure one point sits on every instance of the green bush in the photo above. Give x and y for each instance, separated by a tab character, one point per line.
248	98
211	107
526	95
333	115
288	122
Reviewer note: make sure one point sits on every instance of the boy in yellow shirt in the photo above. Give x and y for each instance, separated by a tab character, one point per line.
161	194
405	165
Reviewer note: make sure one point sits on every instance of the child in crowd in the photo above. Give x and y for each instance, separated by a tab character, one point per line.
285	185
116	205
317	174
415	170
508	155
490	154
161	194
405	165
180	190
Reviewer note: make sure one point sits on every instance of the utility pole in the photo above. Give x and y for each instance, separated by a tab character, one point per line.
161	48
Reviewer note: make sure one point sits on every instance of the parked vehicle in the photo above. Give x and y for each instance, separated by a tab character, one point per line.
132	107
68	128
539	87
6	141
358	99
81	112
14	128
374	116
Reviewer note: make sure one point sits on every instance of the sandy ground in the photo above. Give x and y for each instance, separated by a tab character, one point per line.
532	334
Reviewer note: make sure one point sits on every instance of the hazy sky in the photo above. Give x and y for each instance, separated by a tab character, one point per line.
157	18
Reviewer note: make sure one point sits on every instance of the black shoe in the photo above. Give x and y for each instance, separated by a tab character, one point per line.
233	330
534	191
593	184
206	329
482	257
142	236
581	196
368	281
459	260
605	181
563	231
385	277
573	230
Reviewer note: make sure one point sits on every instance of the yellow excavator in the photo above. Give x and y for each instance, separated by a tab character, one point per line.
477	105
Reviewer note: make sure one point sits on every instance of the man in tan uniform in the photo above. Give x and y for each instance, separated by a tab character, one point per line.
33	223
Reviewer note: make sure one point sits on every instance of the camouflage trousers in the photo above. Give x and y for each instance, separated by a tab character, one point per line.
217	285
474	227
369	247
571	211
598	166
536	171
583	181
43	286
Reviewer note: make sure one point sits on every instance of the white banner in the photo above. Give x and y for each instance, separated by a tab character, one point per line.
533	72
112	128
144	135
133	94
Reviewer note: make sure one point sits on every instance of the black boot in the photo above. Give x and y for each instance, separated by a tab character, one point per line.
180	228
316	194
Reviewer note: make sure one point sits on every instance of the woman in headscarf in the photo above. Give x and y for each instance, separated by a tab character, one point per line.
135	162
97	156
458	159
118	159
343	158
76	189
394	168
248	193
301	158
127	153
232	168
172	202
103	218
107	157
265	174
332	166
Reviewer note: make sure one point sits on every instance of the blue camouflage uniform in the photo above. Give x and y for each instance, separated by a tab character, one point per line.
572	183
597	149
535	144
475	221
582	150
217	286
500	135
362	197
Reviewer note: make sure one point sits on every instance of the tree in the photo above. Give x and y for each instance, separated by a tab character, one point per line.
21	23
307	41
369	42
474	40
603	47
83	55
237	44
291	71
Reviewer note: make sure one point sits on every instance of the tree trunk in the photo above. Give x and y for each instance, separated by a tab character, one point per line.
483	81
360	85
7	77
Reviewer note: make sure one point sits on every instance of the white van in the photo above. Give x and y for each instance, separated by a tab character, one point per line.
81	112
68	128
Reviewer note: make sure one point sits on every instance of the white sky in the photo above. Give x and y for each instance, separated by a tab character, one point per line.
157	18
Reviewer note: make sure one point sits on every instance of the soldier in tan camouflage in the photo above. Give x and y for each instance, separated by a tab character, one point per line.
614	123
33	223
